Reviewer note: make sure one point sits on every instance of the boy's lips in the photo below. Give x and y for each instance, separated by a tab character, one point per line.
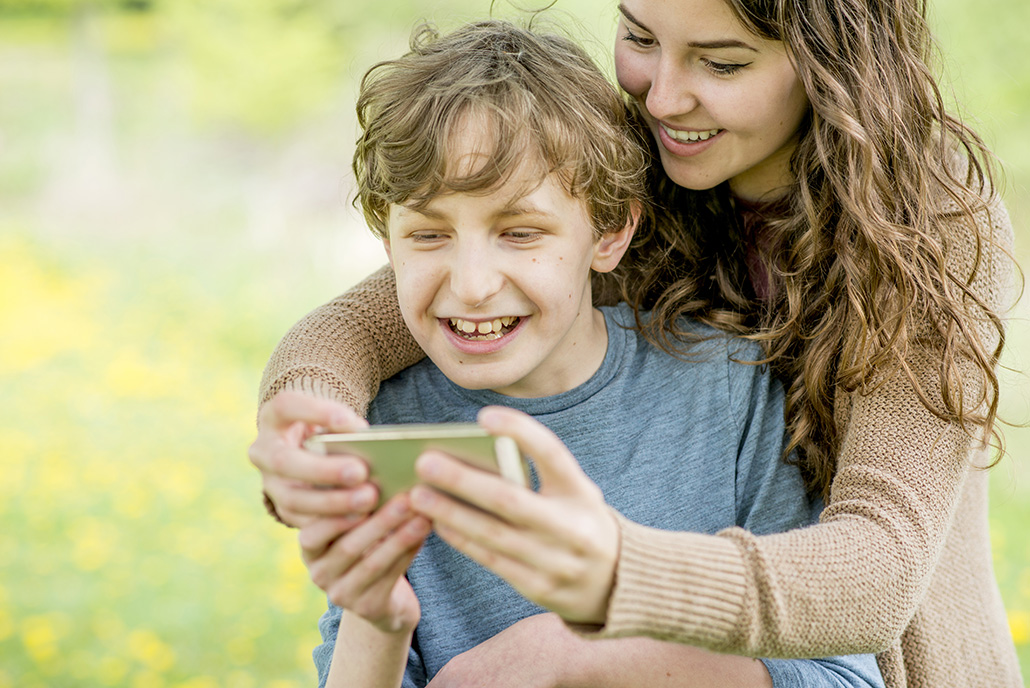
481	336
485	329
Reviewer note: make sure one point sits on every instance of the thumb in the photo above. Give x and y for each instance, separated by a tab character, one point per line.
557	467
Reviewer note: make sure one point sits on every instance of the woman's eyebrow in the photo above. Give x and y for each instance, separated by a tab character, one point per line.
706	45
724	43
629	15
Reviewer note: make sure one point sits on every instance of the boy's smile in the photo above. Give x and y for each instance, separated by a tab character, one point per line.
495	286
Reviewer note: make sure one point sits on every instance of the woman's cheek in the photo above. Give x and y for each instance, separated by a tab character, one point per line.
631	73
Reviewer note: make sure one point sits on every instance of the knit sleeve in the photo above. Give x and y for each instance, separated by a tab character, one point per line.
853	582
343	349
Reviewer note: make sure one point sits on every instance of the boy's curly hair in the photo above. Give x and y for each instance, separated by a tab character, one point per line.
540	94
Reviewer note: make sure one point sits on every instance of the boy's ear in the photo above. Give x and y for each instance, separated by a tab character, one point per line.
389	253
610	248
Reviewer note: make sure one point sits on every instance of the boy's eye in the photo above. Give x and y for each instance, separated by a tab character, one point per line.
724	68
427	236
637	39
522	236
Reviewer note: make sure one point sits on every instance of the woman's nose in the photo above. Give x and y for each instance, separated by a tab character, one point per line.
671	92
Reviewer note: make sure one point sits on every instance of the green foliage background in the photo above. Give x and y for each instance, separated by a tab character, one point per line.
173	195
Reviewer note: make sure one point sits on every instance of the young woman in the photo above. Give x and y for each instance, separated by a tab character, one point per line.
817	197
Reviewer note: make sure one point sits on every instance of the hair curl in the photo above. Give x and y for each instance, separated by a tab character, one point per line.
543	98
860	270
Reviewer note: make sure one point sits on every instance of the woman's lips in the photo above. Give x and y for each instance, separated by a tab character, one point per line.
685	142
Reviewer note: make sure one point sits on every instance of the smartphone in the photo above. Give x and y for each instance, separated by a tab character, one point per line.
390	451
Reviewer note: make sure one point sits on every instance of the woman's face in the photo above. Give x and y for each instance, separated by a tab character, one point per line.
723	103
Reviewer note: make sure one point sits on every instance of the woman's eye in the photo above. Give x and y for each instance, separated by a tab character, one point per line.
724	68
642	41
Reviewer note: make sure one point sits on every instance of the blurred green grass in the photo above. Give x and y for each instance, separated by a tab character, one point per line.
173	195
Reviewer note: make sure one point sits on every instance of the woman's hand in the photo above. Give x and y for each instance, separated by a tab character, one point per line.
558	548
536	652
361	567
302	485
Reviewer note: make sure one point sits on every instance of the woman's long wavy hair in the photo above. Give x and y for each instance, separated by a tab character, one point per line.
860	272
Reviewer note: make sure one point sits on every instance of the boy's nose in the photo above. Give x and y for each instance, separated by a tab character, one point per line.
475	278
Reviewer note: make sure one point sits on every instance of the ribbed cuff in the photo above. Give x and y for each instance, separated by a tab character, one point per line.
686	587
316	382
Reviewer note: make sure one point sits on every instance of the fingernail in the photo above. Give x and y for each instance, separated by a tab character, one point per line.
350	474
364	499
421	498
428	466
418	527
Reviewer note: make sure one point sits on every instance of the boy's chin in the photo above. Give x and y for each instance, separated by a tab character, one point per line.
469	377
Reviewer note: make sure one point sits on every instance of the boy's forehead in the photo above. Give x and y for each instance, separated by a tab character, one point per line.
472	144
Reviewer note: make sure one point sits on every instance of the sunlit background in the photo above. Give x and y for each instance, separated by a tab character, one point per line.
174	193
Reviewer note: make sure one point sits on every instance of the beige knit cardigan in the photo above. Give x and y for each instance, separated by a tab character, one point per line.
899	564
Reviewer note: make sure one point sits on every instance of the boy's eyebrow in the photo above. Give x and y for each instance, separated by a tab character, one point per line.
520	207
423	210
517	207
706	45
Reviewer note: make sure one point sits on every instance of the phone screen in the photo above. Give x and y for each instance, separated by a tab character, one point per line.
390	451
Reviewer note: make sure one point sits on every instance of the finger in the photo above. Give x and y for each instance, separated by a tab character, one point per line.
514	570
288	407
401	544
492	536
316	535
306	500
487	491
287	459
576	587
368	592
348	549
557	467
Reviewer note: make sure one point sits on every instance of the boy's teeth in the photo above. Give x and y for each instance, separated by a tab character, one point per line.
489	329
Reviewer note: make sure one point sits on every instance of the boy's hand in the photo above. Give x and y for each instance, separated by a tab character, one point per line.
361	567
302	485
558	548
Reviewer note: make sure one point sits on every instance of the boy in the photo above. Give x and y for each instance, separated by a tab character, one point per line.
497	166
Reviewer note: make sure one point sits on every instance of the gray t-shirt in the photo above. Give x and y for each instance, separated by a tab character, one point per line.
690	445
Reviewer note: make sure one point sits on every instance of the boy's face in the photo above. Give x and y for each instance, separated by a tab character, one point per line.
495	286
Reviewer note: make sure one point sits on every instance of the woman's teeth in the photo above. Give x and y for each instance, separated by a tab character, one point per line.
487	329
690	135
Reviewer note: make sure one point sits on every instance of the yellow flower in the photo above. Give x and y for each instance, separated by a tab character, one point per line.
1019	624
93	544
40	635
112	670
149	649
199	682
240	679
44	313
6	625
148	679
